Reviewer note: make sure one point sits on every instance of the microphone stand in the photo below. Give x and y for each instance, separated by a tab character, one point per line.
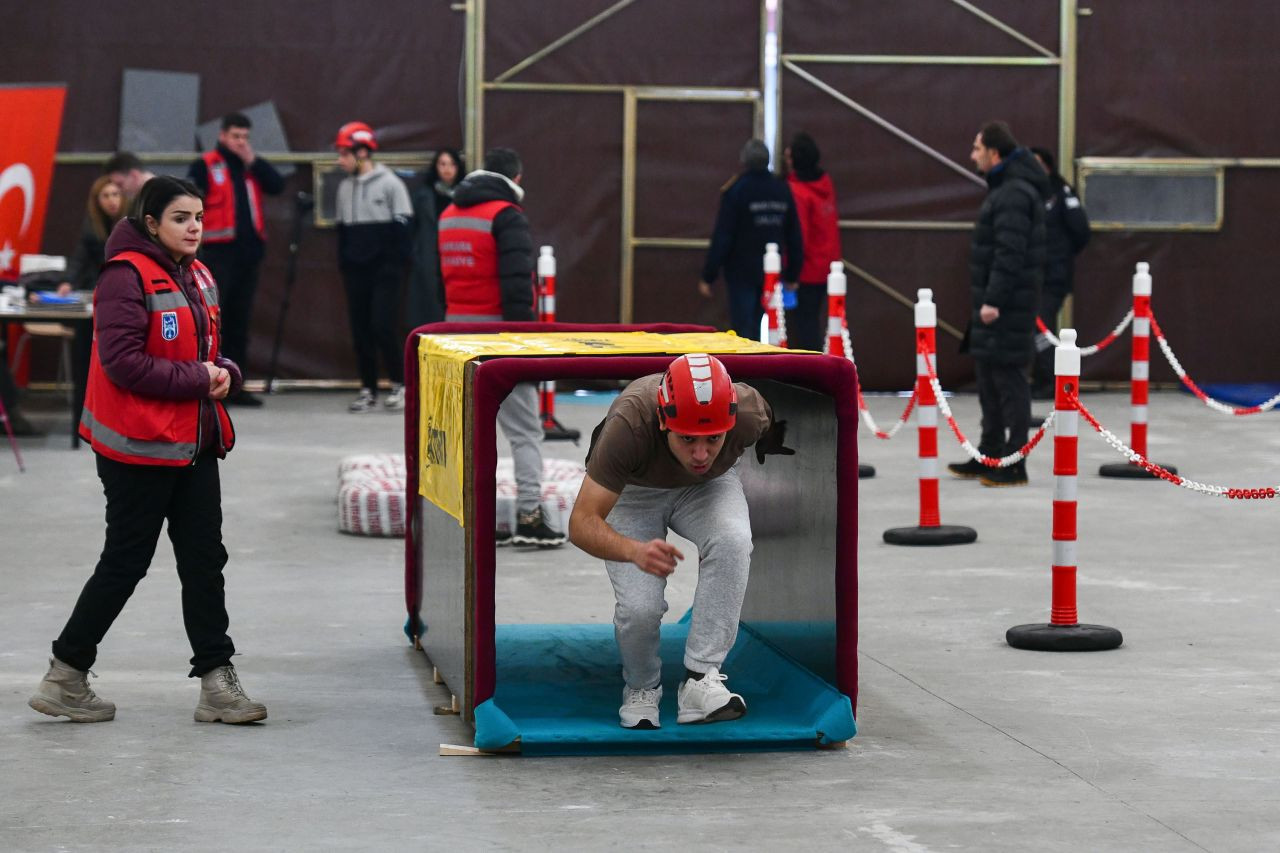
303	203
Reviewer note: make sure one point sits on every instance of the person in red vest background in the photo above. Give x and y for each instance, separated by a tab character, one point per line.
154	415
233	179
815	198
486	259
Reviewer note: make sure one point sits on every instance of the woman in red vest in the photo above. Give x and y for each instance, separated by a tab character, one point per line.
153	414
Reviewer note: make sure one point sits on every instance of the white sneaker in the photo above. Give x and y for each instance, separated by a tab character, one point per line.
640	708
366	402
707	700
395	400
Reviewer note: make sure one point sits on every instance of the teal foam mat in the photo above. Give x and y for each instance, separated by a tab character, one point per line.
559	687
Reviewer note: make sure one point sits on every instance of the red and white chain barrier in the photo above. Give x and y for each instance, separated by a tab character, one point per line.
838	344
990	461
1139	459
1096	348
1186	380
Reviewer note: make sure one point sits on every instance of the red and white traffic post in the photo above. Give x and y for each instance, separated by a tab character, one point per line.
552	430
771	296
837	286
838	334
1063	632
1139	380
930	530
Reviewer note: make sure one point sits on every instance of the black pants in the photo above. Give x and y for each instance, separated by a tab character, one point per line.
805	321
1042	368
237	277
745	310
373	302
1005	398
140	498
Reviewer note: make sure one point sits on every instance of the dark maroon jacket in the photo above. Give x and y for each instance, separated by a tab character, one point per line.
120	319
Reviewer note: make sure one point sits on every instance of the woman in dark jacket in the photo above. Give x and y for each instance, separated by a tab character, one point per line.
103	210
155	419
426	286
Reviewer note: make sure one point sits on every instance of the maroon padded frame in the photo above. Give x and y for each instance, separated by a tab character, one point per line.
496	376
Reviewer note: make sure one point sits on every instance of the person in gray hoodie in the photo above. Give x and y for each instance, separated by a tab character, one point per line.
374	218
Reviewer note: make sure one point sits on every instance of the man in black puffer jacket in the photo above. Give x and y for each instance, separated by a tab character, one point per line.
1006	272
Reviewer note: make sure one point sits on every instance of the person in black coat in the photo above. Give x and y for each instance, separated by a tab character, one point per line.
426	285
1067	232
756	209
1006	270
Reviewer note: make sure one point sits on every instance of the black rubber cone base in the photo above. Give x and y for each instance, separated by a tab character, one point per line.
866	472
1063	638
556	432
1128	470
943	534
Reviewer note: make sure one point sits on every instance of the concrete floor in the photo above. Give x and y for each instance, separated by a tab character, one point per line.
1167	744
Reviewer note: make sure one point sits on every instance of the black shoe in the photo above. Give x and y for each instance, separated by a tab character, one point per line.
531	529
970	469
1014	475
244	398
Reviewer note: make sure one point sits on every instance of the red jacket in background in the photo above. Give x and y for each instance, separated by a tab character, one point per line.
819	225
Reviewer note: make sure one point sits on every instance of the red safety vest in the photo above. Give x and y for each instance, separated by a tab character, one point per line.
220	201
469	258
131	428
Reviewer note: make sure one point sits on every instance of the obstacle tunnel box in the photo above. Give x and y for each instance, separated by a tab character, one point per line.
554	689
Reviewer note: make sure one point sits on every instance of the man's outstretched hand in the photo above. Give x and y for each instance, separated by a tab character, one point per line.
771	442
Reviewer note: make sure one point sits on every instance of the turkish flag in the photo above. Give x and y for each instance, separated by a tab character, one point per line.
30	118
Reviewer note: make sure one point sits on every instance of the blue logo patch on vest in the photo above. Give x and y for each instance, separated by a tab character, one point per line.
218	173
169	325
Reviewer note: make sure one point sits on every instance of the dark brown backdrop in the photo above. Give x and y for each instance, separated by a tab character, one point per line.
1149	84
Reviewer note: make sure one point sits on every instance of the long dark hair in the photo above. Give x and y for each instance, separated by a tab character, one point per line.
155	196
431	175
99	221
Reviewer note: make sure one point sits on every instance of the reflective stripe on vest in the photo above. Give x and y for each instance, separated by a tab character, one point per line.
220	201
467	223
107	437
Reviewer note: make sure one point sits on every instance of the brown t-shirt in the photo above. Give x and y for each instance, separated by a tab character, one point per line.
629	448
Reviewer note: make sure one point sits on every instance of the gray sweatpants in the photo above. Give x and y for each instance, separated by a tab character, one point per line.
713	516
518	419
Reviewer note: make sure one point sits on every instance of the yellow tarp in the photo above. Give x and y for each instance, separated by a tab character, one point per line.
442	360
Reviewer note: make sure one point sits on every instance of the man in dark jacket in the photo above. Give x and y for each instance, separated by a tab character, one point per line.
486	258
234	179
1066	232
1006	270
756	209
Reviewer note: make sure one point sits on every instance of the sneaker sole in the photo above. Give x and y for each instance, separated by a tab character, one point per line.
538	543
45	705
205	714
644	724
992	484
731	710
959	476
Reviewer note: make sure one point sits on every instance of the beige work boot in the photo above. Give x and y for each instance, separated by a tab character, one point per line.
222	699
65	692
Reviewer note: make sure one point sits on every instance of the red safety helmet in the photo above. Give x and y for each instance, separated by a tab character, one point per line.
697	396
355	133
